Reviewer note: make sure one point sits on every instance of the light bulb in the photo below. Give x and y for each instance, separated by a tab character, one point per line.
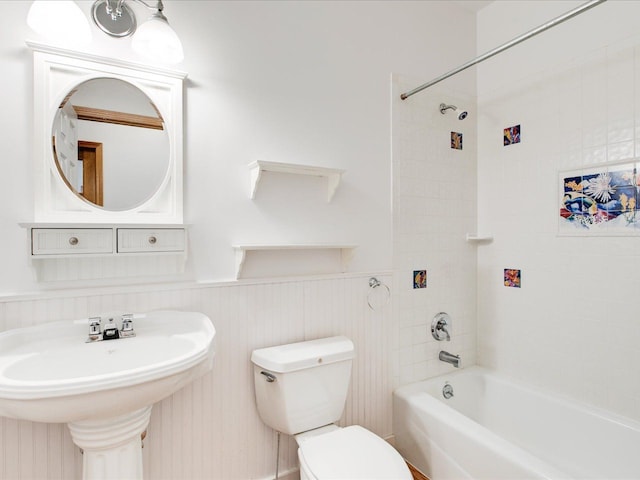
156	40
60	21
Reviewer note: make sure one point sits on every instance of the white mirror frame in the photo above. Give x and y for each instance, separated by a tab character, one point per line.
56	72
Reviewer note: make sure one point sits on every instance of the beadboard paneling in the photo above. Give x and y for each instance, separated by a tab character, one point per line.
211	429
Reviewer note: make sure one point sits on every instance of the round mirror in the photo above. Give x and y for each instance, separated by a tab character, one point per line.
110	144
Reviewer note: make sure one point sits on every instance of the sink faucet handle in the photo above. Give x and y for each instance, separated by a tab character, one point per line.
127	326
95	326
95	329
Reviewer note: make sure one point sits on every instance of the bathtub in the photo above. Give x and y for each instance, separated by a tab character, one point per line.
494	428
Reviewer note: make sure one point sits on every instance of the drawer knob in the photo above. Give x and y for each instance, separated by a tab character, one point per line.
73	240
152	240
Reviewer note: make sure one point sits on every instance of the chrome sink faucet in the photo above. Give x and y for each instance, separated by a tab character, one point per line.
110	331
449	358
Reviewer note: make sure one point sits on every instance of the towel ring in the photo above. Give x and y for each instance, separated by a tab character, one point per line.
374	283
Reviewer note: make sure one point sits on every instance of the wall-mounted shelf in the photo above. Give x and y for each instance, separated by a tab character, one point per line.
479	238
346	252
256	168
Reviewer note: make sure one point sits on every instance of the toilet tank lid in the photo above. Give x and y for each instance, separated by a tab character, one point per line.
297	356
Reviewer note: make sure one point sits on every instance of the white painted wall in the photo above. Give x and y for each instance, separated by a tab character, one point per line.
572	327
300	82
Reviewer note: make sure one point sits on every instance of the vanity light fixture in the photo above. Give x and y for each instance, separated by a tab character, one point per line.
64	21
153	39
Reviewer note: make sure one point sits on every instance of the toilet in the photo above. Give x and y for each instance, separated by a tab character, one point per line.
301	389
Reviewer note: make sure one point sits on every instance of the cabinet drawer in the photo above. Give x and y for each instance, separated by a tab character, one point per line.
134	240
63	241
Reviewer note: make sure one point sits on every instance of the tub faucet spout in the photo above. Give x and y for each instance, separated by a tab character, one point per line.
449	358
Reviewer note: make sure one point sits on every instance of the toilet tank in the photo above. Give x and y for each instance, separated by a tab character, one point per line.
302	386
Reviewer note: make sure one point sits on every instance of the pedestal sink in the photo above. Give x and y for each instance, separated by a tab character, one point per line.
103	390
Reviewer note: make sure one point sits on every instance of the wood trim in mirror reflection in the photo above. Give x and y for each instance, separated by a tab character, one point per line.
118	118
90	153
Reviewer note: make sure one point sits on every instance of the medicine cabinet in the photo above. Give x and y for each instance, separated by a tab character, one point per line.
108	167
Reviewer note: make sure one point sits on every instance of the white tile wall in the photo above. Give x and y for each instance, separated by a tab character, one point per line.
210	429
434	207
572	327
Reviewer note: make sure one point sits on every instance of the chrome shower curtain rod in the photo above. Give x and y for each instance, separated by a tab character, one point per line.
552	23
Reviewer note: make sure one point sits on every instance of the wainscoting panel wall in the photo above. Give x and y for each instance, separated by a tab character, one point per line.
211	429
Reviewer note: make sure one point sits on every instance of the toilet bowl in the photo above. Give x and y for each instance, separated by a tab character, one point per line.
301	389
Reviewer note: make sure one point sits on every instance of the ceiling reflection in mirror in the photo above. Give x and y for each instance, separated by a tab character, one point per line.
110	144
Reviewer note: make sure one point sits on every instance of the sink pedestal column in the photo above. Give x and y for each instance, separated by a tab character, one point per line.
112	446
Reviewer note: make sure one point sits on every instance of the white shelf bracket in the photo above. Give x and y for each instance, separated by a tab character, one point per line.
255	172
241	256
333	181
346	254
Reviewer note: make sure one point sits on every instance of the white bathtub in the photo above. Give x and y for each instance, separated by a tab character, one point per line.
493	429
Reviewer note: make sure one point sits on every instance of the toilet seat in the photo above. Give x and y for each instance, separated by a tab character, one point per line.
351	453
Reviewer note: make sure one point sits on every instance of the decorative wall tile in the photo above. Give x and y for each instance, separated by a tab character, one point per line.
419	279
600	200
512	277
456	141
512	135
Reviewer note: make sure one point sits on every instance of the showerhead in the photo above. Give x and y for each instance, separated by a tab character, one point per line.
461	113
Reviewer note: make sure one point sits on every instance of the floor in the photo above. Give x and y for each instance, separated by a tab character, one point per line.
416	474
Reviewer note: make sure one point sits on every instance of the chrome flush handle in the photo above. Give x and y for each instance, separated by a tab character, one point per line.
270	377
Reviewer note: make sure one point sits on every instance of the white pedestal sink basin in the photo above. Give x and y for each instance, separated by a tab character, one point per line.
103	390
